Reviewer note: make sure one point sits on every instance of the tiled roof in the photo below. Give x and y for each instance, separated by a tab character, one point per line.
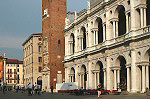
13	61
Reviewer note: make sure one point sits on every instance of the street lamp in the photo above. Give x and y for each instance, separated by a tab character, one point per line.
4	60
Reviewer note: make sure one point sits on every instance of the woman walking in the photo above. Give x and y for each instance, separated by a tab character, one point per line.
99	90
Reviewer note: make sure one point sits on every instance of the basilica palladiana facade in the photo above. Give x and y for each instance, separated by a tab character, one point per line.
109	43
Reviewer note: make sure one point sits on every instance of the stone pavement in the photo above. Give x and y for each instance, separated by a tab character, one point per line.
20	95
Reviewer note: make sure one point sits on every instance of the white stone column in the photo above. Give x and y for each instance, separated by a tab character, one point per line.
118	76
4	68
147	77
104	32
95	81
145	17
114	28
83	81
115	80
134	72
98	75
90	81
87	39
143	79
94	37
87	83
128	79
80	80
127	22
105	80
81	43
142	17
117	28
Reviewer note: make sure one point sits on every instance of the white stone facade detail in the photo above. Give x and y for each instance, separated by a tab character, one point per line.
110	44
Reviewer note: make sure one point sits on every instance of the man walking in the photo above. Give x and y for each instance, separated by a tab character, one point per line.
99	90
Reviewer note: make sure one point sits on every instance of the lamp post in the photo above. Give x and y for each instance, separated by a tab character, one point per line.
4	59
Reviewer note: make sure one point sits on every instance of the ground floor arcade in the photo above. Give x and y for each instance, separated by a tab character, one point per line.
122	68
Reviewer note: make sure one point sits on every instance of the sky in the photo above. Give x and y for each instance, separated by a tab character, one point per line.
19	19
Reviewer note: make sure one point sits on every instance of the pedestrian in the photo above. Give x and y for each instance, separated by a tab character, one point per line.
52	87
99	89
35	87
38	89
29	89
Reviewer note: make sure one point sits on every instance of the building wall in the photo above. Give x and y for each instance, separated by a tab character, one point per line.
31	58
130	49
52	28
1	70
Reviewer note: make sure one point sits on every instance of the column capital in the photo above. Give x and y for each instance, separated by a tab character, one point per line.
114	20
143	63
95	71
115	68
140	6
128	65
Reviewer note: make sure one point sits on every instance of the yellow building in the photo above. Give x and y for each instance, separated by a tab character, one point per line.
14	72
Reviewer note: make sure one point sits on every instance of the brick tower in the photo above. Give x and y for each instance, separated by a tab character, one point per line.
53	22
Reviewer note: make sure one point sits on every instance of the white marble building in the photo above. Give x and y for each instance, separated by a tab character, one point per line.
109	44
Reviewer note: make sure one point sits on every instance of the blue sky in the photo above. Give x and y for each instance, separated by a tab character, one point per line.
20	18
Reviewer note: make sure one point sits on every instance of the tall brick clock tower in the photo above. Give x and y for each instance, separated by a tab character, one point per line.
53	22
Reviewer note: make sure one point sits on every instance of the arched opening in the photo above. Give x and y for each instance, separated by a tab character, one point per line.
99	67
148	12
73	43
99	24
147	59
39	81
83	31
72	75
122	20
139	78
123	72
83	77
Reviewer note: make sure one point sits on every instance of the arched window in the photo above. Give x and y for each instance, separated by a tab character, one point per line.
148	12
122	20
83	31
100	30
73	43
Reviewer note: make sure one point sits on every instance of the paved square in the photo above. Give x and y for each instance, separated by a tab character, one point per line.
20	95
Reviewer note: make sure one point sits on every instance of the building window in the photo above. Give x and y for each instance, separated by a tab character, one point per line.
58	41
18	70
14	76
40	69
40	48
14	81
10	81
10	70
15	71
40	59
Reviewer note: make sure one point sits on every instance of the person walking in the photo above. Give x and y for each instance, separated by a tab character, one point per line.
99	89
29	89
35	87
52	87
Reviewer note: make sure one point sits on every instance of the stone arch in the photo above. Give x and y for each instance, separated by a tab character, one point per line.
120	15
83	76
146	55
148	12
99	25
83	33
72	72
72	47
121	62
100	78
